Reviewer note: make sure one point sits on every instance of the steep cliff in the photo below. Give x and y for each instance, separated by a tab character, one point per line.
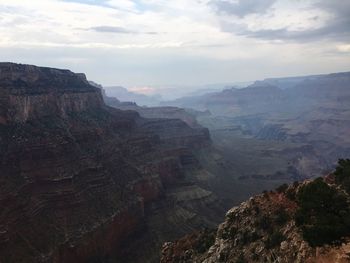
81	181
303	222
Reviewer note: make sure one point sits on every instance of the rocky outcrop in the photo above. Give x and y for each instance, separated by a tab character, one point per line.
79	180
29	92
268	228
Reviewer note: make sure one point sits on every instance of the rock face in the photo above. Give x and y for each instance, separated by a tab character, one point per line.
28	92
262	229
81	181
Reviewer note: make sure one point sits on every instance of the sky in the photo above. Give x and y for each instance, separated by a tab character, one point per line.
147	44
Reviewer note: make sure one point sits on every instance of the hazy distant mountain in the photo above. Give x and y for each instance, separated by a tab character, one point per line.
123	94
273	94
297	126
172	92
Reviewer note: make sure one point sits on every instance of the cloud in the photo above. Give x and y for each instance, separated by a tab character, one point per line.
335	31
111	29
331	22
140	42
118	30
87	2
115	4
241	8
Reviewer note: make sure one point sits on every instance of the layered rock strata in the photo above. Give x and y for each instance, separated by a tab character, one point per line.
80	181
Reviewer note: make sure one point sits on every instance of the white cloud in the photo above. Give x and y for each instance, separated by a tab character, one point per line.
173	32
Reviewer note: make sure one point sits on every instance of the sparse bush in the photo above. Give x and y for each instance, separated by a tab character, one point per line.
274	239
291	194
323	214
296	184
265	194
207	240
281	216
240	259
342	174
231	217
254	236
255	256
245	237
263	222
229	233
256	210
248	237
282	188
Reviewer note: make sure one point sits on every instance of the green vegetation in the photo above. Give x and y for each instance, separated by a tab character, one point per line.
342	174
282	216
240	259
206	241
274	239
282	188
323	214
263	223
229	233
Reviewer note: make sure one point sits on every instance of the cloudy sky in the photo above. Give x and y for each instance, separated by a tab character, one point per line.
141	43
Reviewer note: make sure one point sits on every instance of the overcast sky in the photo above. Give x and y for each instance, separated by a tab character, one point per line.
142	43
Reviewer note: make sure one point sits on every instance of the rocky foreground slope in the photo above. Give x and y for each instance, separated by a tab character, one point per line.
84	182
303	222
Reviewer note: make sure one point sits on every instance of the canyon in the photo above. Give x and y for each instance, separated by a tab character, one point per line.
83	182
293	128
89	178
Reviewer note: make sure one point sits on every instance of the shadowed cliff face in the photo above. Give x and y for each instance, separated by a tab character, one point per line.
29	92
80	181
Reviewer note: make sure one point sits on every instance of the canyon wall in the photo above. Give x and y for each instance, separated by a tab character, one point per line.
81	181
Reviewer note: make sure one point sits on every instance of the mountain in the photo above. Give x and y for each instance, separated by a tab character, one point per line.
165	112
84	182
226	182
303	222
125	95
271	95
291	127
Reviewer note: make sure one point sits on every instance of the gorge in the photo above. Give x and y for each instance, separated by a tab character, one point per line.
88	178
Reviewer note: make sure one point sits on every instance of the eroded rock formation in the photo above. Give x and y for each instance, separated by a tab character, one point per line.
303	222
81	181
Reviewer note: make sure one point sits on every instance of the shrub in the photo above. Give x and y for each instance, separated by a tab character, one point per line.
207	240
266	194
248	237
229	233
263	222
291	194
282	188
323	214
281	216
256	210
240	259
342	174
274	239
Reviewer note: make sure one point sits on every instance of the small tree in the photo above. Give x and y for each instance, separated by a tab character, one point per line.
323	214
342	174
